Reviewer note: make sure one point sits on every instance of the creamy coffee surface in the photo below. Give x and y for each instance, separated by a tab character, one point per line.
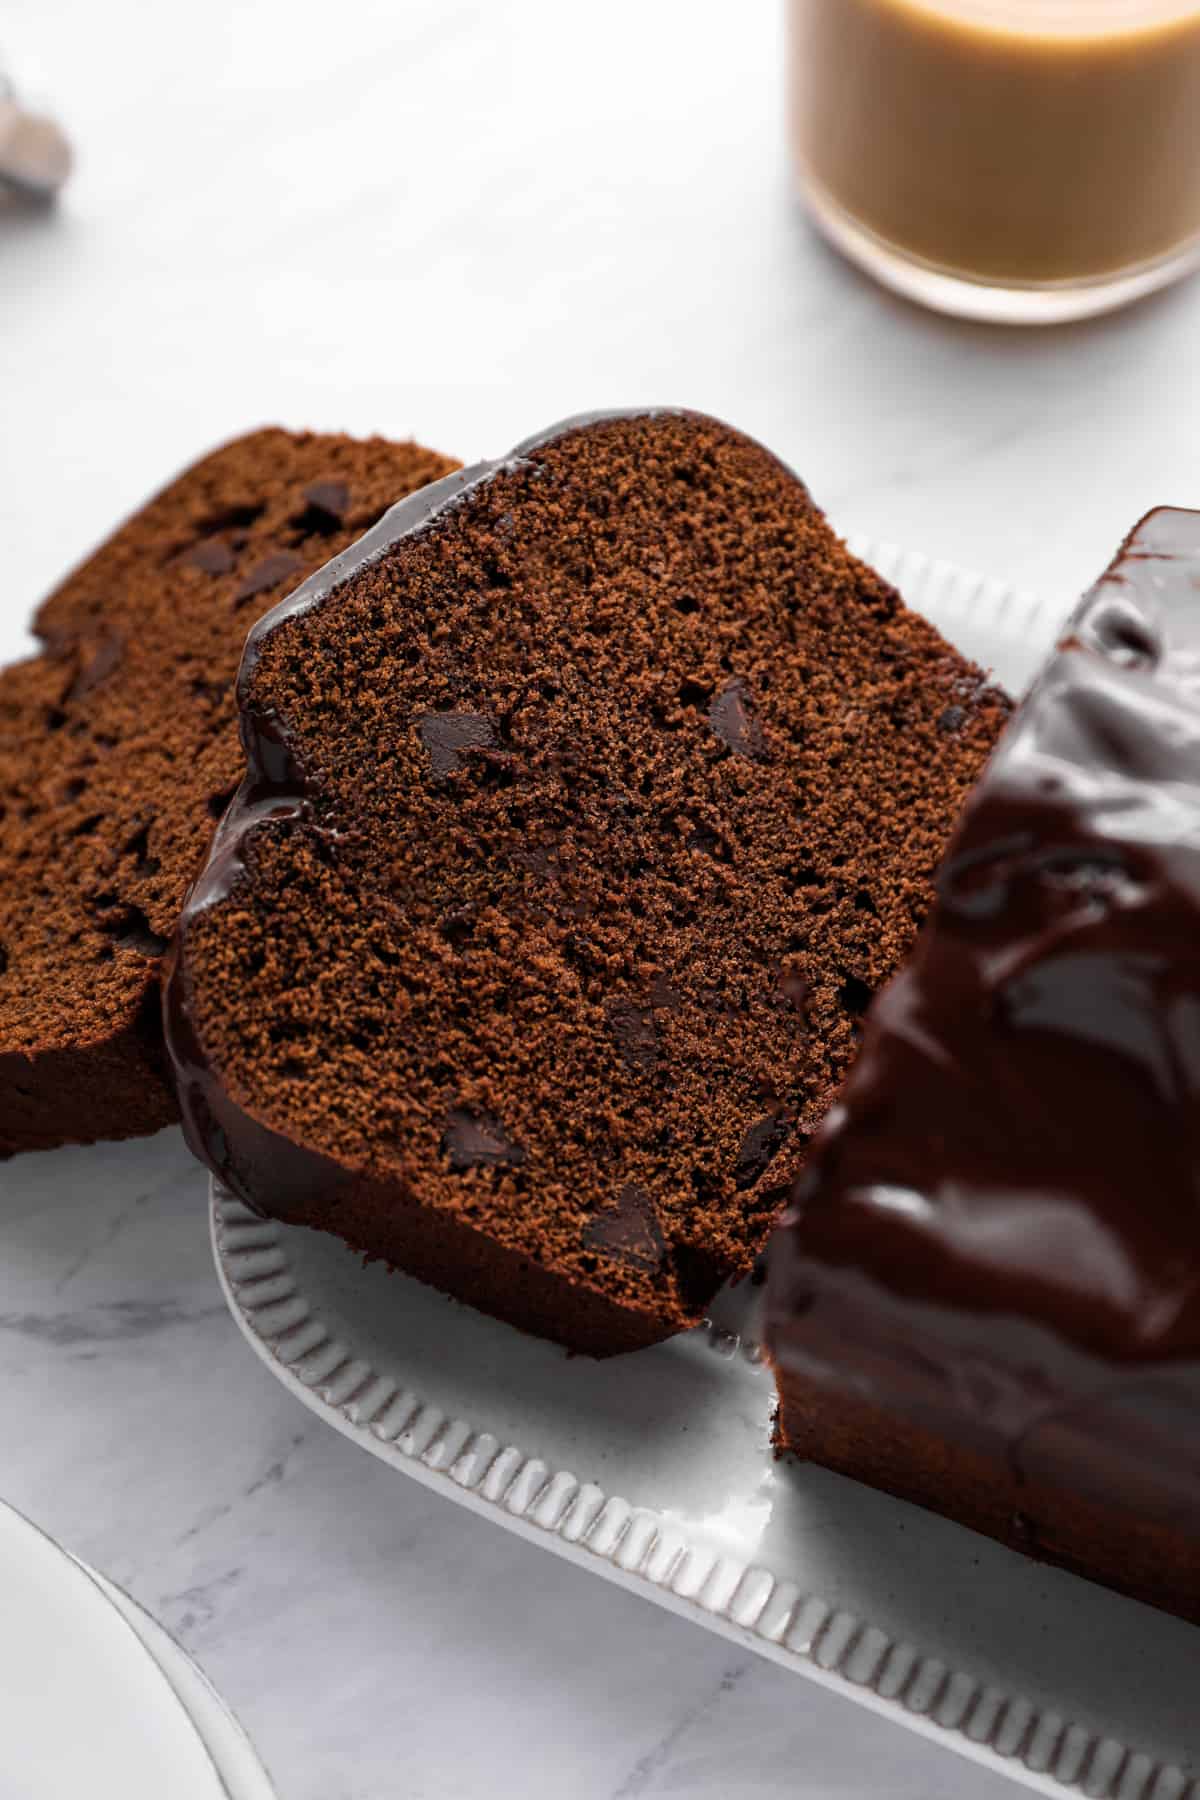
1058	18
1011	141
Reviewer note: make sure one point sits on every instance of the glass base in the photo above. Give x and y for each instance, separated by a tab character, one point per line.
992	302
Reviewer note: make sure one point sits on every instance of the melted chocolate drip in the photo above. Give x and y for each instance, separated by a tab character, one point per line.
998	1232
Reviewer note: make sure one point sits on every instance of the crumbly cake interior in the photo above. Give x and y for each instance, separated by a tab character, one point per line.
624	784
119	750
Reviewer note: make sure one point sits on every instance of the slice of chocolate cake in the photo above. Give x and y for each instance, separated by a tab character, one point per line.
119	749
590	797
986	1295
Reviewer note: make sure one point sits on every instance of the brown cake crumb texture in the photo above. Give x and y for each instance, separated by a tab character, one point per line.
119	750
625	783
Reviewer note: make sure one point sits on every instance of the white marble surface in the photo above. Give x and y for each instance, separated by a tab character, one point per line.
463	220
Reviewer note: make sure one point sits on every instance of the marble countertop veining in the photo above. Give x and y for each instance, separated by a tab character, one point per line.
376	1641
461	221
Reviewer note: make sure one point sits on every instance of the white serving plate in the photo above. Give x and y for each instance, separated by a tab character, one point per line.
84	1707
655	1470
230	1750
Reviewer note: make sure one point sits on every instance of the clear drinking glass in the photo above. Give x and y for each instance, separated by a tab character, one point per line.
1027	161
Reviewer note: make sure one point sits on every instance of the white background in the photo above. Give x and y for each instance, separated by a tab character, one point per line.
461	220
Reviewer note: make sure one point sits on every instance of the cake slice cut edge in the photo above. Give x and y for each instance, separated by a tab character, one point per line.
589	797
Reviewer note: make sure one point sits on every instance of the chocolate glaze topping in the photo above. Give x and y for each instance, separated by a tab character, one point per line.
998	1234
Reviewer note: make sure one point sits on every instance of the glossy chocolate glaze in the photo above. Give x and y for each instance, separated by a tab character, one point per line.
998	1234
275	789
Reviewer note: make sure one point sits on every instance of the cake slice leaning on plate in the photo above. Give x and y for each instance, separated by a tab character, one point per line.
589	798
986	1295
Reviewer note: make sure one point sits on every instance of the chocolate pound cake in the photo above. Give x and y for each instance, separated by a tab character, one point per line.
119	749
589	798
986	1295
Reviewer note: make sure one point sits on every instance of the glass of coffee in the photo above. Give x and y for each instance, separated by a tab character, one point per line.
1026	161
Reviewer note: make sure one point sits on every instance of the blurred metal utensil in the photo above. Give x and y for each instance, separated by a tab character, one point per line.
35	154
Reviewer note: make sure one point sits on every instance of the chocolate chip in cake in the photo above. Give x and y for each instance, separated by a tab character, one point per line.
759	1148
268	574
213	555
476	1140
447	735
329	497
238	519
731	715
663	996
793	992
634	1034
630	1231
326	505
98	666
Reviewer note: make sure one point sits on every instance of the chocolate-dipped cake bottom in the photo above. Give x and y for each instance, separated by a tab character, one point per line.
1147	1559
427	1242
460	1262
